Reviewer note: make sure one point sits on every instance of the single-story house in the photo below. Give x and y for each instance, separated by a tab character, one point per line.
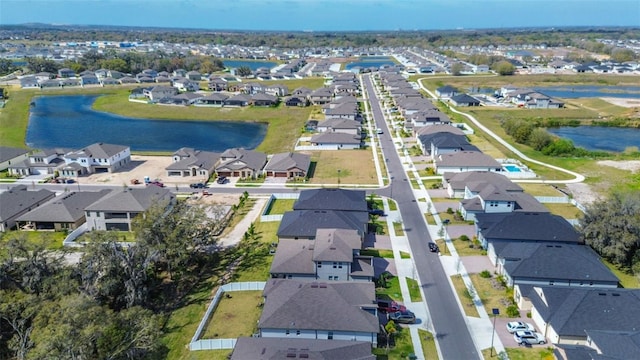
337	140
289	165
296	100
340	126
602	344
189	162
303	224
457	184
261	99
465	161
447	91
17	201
238	100
239	162
216	99
296	348
160	92
464	100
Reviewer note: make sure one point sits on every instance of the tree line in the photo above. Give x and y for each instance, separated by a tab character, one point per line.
112	304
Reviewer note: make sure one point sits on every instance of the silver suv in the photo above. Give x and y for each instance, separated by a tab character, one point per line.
529	337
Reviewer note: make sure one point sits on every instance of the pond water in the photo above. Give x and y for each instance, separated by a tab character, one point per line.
371	61
580	91
253	65
69	122
598	138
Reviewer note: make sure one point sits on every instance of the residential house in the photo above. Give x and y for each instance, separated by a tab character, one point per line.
127	80
184	84
465	161
215	100
428	117
264	100
193	75
117	210
464	100
343	111
602	344
62	213
295	348
338	125
39	163
239	162
566	314
217	84
302	91
89	80
295	100
333	255
321	96
180	73
11	156
185	99
276	90
17	201
303	224
447	91
107	81
95	158
348	311
189	162
66	73
336	141
332	199
493	229
288	165
482	197
29	82
462	184
238	100
527	264
160	92
44	76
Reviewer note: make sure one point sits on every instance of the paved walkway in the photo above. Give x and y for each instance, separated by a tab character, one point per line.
236	234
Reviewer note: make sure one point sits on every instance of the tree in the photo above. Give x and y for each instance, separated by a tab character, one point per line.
115	64
389	330
6	67
623	55
244	71
504	68
456	69
539	139
612	228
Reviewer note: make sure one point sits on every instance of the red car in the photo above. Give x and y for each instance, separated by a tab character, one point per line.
390	306
156	183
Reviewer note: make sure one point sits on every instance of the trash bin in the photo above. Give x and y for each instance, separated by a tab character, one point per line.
412	357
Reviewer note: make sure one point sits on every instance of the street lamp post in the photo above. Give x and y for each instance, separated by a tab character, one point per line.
495	312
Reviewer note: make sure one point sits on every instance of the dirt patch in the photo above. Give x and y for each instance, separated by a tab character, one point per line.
138	168
583	193
628	103
630	165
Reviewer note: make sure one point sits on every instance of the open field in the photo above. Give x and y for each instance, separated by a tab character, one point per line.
356	167
525	80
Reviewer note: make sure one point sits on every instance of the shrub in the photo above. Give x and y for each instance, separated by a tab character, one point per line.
513	311
464	238
486	274
449	211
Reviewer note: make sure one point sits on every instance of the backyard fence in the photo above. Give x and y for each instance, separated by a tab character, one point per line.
553	199
265	217
218	344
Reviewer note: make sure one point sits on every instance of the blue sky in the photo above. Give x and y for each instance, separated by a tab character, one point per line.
325	15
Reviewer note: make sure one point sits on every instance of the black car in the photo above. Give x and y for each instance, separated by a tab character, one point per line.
433	247
198	186
377	212
222	180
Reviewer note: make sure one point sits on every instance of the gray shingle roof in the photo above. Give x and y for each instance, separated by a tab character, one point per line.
466	158
304	223
294	257
337	123
571	311
334	306
476	180
554	262
239	158
9	153
288	161
526	226
336	245
68	207
18	199
100	150
331	138
132	199
256	348
331	199
194	158
439	128
616	345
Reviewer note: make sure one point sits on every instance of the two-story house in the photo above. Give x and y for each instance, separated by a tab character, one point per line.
95	158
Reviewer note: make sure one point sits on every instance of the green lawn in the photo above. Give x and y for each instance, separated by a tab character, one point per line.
467	303
567	211
235	316
398	228
540	189
627	280
391	291
428	345
50	239
280	206
414	290
403	346
377	253
522	353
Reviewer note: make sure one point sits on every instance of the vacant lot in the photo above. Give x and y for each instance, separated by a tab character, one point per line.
351	166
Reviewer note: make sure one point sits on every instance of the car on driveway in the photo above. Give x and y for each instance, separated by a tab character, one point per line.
529	338
389	306
433	247
377	212
514	326
222	180
403	317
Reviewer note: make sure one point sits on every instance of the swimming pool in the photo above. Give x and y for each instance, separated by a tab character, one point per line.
511	168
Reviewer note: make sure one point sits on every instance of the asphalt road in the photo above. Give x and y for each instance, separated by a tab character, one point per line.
452	334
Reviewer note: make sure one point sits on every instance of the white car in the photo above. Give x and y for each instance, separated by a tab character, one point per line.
529	337
519	326
379	131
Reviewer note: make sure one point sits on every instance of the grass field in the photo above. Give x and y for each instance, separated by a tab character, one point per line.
391	291
356	167
428	345
467	304
491	297
236	316
540	189
49	239
522	353
403	346
567	211
414	290
280	206
377	253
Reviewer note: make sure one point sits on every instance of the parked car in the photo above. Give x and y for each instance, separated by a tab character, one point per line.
403	317
198	186
433	247
389	306
529	337
156	183
514	326
378	212
379	131
222	180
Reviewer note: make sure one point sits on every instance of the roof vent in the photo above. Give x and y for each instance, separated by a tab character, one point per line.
303	356
314	284
602	294
323	285
615	294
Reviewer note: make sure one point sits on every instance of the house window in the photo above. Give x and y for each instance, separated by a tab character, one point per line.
551	282
335	265
287	332
319	265
336	278
330	335
340	266
298	332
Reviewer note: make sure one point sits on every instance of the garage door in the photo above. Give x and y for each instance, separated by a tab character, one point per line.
281	174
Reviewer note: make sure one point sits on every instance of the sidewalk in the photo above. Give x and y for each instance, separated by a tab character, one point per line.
234	237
